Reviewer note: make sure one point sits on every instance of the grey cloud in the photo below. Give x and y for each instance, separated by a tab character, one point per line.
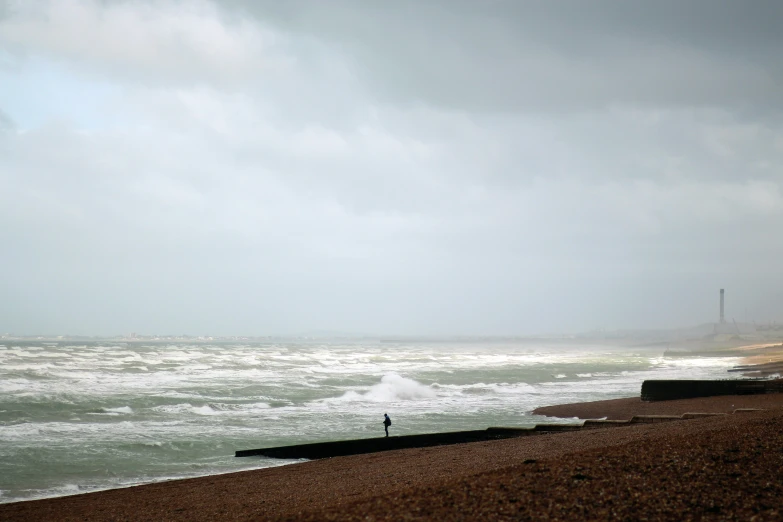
428	167
148	43
533	56
6	123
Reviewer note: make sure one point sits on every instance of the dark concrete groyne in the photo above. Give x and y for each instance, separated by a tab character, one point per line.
666	390
341	448
320	450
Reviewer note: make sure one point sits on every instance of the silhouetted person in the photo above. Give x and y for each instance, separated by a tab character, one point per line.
386	423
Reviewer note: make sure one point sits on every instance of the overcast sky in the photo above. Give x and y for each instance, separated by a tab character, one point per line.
407	167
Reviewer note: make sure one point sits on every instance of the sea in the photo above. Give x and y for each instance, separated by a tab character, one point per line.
76	418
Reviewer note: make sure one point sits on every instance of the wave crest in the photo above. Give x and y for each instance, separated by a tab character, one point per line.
392	388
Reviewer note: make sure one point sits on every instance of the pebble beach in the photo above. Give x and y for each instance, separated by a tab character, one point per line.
723	467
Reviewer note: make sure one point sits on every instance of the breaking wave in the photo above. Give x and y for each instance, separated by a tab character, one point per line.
392	388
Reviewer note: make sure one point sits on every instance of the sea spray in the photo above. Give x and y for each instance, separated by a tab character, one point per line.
392	388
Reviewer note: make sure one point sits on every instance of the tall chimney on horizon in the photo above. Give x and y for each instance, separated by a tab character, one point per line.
722	318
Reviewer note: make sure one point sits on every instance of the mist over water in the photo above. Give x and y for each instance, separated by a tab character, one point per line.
79	418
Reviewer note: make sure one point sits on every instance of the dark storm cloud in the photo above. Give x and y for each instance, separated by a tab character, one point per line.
553	56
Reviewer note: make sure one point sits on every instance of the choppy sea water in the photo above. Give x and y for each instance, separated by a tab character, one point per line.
75	419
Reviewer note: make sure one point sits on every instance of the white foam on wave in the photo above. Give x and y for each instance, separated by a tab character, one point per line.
184	408
122	410
20	432
203	410
213	408
392	387
512	388
14	385
68	489
479	388
699	362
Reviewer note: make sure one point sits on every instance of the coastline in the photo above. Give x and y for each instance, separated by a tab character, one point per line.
397	484
762	361
392	484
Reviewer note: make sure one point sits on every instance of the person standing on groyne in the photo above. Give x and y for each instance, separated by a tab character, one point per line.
386	423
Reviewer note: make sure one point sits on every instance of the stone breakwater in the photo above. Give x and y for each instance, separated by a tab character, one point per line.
624	409
672	389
